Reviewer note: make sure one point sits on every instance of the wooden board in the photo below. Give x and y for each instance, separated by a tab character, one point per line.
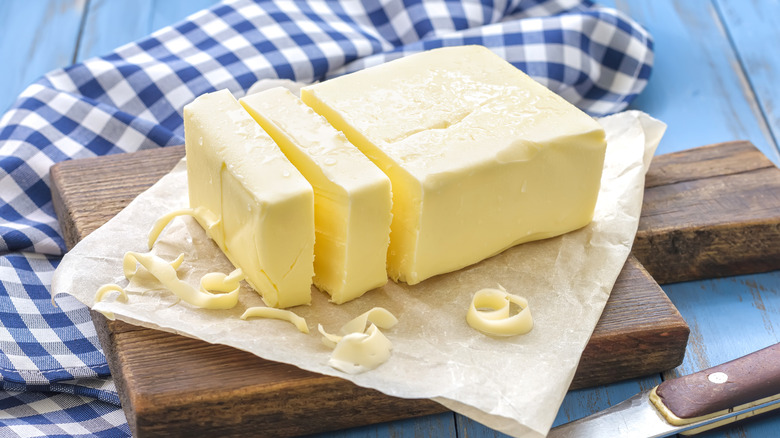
710	212
165	387
640	331
162	396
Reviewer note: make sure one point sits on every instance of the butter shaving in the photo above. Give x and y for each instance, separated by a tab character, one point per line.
165	272
106	288
328	339
273	313
204	216
360	352
496	321
379	316
360	348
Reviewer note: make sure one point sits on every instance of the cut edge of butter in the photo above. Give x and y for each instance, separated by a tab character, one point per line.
465	188
263	207
352	198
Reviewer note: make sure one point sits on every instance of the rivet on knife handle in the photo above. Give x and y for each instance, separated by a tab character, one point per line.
750	381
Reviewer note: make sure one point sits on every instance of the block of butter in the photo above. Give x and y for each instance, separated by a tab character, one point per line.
265	207
480	156
352	197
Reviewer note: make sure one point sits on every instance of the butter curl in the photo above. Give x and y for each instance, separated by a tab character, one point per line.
204	216
489	313
360	348
102	291
165	272
273	313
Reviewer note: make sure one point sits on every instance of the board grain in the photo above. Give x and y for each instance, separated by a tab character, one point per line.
708	212
163	378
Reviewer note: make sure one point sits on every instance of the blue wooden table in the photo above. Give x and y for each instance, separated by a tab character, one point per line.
714	80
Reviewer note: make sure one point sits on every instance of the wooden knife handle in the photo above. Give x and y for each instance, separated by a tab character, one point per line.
744	380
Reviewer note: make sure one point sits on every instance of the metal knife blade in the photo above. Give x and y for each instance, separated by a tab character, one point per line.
690	404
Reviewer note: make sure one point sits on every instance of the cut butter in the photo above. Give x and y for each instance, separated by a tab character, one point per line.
480	156
352	197
264	207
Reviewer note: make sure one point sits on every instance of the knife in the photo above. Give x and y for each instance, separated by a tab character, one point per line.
690	404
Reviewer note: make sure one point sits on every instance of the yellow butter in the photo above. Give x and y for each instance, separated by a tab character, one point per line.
228	286
362	346
352	197
480	156
102	291
272	313
264	207
357	353
489	313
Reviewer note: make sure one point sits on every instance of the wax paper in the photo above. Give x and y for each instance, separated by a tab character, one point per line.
512	384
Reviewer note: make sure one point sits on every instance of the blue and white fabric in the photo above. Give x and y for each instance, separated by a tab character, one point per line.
54	380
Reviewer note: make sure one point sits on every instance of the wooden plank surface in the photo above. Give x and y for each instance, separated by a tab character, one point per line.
697	85
747	311
103	32
24	28
625	343
706	88
752	28
39	36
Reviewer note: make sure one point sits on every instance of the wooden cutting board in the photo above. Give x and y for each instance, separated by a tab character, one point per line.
174	386
710	212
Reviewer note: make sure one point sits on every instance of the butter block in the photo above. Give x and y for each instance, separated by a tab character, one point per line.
352	197
480	156
264	205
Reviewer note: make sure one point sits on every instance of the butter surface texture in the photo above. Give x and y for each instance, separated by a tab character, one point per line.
480	156
264	206
352	197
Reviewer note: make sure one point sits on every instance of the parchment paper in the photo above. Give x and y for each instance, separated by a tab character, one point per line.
513	384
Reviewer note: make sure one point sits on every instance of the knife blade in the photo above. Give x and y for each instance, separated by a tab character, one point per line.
690	404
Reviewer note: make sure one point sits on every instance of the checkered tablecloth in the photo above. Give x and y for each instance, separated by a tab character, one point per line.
54	378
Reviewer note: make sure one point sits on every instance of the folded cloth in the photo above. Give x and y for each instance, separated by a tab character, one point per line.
132	99
33	414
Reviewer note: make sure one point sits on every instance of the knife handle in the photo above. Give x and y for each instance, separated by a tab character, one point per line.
745	380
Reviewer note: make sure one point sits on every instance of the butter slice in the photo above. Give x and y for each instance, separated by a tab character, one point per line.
264	205
352	197
480	156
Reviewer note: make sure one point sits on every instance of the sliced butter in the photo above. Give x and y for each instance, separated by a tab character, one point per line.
263	206
352	197
480	156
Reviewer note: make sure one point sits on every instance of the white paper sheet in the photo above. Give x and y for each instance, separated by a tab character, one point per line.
513	384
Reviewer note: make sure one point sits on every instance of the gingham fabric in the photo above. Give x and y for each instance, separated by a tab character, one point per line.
54	379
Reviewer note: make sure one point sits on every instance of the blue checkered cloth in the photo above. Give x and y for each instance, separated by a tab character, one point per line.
54	380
